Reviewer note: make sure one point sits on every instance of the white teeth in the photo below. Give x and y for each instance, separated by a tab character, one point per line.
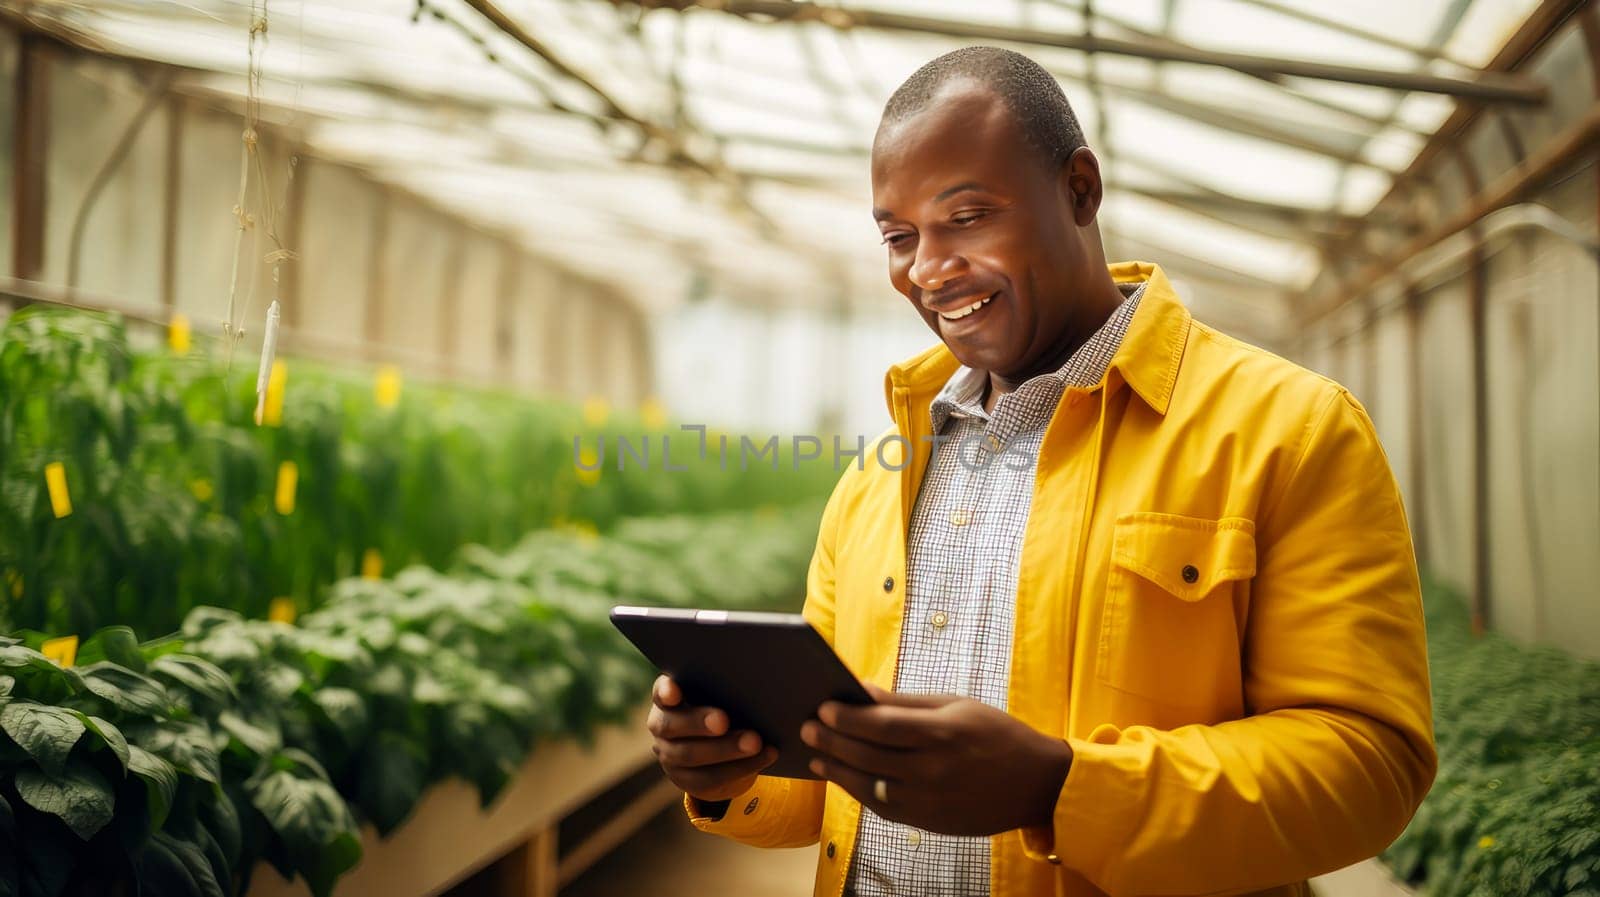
958	315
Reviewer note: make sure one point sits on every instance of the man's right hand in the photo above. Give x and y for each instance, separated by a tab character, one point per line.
698	752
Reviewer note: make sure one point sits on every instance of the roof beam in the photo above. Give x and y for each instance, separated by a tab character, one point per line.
1482	86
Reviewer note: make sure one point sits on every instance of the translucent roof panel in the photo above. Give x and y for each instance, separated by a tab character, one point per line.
651	147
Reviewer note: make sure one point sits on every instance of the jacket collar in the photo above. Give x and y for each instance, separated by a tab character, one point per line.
1147	360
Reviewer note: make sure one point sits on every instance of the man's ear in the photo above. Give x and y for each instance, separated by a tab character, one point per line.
1082	188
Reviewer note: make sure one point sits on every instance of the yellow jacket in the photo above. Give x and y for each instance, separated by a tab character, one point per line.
1264	723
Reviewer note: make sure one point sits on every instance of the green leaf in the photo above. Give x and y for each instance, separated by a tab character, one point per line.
314	824
79	797
10	885
256	738
160	782
116	644
126	690
162	873
46	733
110	735
194	863
390	780
344	710
200	677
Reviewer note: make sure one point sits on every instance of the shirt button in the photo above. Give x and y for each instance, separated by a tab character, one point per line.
993	443
888	583
751	806
913	839
939	619
1190	574
960	517
830	850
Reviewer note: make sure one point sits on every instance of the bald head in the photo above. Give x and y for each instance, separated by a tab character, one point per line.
1028	92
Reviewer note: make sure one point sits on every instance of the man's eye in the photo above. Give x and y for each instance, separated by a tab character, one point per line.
895	239
964	220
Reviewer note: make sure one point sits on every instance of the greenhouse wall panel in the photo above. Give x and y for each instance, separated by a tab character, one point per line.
1447	492
92	103
475	306
539	349
416	266
1391	408
206	226
1545	485
335	248
8	116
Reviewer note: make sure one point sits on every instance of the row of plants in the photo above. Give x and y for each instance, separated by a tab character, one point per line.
1515	808
173	766
137	485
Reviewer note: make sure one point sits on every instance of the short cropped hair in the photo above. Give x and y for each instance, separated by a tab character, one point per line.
1030	92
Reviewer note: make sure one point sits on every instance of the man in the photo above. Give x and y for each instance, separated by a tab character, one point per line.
1144	619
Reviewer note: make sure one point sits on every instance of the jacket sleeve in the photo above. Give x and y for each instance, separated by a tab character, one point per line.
779	812
1337	750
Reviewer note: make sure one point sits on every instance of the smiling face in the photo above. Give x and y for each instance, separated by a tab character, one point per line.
992	243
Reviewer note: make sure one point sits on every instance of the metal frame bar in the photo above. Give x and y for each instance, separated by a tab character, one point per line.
1484	86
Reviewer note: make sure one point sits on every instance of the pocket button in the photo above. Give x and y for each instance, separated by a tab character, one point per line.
1190	574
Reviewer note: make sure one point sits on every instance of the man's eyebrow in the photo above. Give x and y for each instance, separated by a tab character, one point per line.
964	186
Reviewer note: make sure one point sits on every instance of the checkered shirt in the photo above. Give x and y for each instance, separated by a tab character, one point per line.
962	554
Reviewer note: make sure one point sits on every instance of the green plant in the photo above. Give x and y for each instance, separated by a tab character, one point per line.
174	487
1515	808
179	763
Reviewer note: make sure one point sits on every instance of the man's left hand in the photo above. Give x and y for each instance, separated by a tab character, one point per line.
950	765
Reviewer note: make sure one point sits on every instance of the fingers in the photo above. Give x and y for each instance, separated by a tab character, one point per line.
885	725
862	755
860	785
666	692
723	781
686	722
689	753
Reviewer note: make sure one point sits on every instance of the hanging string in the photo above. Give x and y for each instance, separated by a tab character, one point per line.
250	158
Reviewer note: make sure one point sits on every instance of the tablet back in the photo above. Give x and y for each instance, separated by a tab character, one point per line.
769	672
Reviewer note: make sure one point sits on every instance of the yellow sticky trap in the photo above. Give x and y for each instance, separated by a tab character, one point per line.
63	651
596	411
179	334
283	496
589	466
654	414
55	480
272	409
372	564
386	386
282	610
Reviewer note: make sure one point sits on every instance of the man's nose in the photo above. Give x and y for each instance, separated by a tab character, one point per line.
934	267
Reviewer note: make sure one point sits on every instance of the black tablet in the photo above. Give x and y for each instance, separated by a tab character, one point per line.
769	672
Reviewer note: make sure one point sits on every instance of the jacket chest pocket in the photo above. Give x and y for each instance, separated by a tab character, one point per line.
1169	632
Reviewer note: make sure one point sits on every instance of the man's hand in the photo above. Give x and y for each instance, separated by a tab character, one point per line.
697	751
950	765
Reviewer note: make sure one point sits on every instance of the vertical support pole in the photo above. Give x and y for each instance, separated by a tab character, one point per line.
1478	297
505	306
1369	354
171	198
1417	454
292	286
372	312
31	155
1479	286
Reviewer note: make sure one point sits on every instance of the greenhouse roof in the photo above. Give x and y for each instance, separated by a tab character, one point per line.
721	146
